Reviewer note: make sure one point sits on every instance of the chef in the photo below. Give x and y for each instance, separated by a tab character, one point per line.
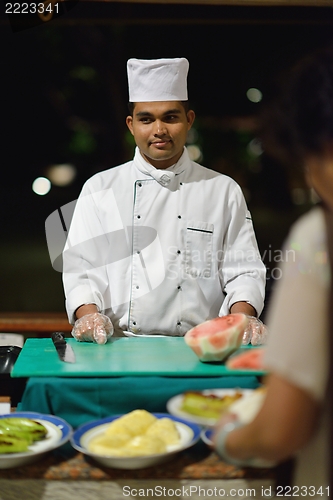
159	244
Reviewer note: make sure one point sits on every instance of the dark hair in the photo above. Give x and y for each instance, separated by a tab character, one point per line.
131	105
300	120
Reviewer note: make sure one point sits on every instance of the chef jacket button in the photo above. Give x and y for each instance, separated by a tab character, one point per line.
179	287
179	216
140	185
165	179
178	251
178	323
139	216
138	251
181	183
137	287
134	322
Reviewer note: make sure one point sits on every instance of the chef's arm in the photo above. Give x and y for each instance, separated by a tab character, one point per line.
85	258
243	307
243	274
284	424
85	309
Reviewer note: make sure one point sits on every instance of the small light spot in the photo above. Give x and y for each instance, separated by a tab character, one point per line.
255	147
194	152
41	186
61	175
254	95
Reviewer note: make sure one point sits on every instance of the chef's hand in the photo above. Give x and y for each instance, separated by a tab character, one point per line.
95	327
256	332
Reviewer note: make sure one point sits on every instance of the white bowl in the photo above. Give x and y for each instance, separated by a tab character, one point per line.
58	433
206	436
189	435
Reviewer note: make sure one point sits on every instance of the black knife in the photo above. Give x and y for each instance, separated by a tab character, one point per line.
64	350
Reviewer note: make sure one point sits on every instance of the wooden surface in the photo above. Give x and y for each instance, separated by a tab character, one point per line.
39	322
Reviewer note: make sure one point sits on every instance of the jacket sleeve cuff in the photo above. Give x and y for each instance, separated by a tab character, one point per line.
249	295
79	297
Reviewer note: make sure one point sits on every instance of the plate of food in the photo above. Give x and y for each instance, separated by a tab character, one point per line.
135	440
26	437
206	435
205	407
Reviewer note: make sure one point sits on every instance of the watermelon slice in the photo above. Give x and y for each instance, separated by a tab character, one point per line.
216	339
252	359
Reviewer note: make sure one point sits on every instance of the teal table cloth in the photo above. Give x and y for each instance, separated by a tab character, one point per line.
79	400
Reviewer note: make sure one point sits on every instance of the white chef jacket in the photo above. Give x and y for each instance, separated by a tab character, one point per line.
160	251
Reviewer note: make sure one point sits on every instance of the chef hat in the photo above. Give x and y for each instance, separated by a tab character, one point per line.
157	79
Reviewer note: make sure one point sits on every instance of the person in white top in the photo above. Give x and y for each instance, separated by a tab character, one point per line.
296	416
159	244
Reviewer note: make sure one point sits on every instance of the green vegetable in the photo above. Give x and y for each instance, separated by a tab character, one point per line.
17	434
10	444
36	430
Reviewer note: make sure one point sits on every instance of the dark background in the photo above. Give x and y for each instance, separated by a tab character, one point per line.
64	100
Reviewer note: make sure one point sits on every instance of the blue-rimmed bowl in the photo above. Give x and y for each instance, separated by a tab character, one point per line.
189	435
206	435
58	433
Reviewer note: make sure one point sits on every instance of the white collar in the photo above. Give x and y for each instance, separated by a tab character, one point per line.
163	176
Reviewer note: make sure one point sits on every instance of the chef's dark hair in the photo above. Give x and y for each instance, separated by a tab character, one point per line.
300	120
130	106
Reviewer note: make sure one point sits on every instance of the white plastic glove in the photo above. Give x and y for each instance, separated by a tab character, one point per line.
94	327
255	333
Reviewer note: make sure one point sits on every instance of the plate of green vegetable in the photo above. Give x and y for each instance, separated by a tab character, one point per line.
26	437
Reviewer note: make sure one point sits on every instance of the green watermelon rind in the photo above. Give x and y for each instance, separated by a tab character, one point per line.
198	338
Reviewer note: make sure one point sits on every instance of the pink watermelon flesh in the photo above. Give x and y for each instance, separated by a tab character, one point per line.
251	359
217	338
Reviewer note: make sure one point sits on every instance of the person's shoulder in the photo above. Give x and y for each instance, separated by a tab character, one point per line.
311	223
105	177
307	241
208	173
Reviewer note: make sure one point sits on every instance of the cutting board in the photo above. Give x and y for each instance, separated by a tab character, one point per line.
165	356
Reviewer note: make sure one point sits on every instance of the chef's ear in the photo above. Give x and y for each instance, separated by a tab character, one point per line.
129	123
190	118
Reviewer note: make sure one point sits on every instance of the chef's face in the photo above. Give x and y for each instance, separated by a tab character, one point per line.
319	171
160	130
